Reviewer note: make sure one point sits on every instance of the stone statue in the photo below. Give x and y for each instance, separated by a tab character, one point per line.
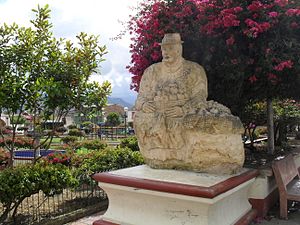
176	127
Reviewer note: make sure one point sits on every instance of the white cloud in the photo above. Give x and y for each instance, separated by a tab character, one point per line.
98	17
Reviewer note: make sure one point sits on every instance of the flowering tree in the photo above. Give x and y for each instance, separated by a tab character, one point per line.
250	49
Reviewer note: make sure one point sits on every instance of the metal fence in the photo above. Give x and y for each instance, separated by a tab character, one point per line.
39	209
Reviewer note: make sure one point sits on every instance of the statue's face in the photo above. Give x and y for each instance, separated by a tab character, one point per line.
171	52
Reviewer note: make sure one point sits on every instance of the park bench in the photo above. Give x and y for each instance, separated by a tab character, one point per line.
288	182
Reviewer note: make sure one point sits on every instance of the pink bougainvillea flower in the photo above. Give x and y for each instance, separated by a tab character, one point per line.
294	25
268	50
253	79
230	41
239	27
255	6
234	61
281	3
282	65
273	14
273	78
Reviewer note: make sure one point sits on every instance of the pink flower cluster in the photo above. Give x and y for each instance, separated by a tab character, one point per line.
293	12
241	24
61	158
256	28
282	65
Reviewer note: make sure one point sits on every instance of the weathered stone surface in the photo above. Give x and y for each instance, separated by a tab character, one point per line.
176	126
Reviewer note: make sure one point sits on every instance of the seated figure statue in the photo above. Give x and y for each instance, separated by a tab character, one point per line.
176	127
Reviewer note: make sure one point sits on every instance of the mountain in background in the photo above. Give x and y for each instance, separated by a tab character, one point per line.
120	101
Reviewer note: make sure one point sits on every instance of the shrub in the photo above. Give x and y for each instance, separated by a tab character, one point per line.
80	155
69	139
113	119
61	129
21	182
4	156
72	126
9	127
76	132
130	142
82	151
19	142
18	120
87	126
58	158
107	160
92	144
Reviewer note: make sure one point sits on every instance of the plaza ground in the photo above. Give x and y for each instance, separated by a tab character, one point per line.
294	219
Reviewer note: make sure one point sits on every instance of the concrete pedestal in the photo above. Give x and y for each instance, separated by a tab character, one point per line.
144	196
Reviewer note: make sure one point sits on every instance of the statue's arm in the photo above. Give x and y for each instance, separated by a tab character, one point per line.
146	89
198	86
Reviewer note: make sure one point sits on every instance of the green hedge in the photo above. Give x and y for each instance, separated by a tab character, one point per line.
130	142
75	132
92	144
24	181
107	160
69	139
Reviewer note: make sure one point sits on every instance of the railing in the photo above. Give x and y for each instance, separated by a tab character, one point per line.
39	208
112	133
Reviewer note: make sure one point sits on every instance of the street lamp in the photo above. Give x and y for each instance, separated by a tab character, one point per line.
125	119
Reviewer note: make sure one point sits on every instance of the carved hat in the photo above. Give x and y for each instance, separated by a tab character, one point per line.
171	38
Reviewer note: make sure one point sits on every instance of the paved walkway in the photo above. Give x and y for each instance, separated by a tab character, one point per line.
87	220
294	219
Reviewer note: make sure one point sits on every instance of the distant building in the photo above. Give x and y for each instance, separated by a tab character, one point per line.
119	109
116	108
5	119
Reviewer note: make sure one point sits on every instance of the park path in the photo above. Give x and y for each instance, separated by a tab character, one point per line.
294	219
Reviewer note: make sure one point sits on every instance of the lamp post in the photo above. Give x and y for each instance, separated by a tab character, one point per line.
125	119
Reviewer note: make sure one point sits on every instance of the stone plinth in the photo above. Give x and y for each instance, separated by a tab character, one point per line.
145	196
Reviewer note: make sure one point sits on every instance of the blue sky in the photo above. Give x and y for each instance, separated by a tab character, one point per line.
98	17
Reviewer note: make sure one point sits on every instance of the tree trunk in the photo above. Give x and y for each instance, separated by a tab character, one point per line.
270	125
282	133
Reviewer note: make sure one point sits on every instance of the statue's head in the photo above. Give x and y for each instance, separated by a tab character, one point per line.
171	47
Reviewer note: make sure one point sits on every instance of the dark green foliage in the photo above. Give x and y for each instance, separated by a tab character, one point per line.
18	142
72	126
18	183
107	160
17	120
130	142
92	144
87	126
69	139
113	119
61	129
4	156
76	132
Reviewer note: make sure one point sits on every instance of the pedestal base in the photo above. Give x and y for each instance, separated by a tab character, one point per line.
145	196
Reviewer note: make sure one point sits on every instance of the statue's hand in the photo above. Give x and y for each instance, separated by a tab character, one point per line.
148	107
174	112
